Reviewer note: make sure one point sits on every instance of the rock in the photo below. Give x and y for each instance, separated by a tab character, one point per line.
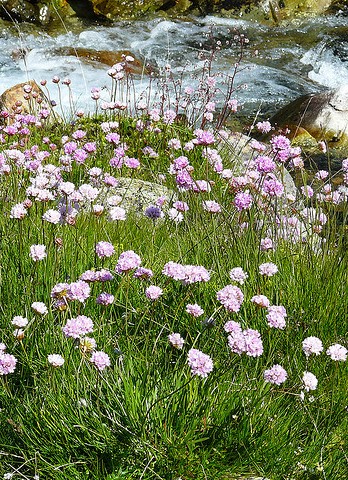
103	56
137	194
16	101
320	116
20	10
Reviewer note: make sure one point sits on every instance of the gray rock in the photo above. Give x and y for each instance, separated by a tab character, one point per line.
137	195
323	115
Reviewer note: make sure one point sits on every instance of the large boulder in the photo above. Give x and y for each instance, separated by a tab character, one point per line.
324	116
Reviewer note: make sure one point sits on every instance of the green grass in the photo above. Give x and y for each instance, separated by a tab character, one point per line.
146	416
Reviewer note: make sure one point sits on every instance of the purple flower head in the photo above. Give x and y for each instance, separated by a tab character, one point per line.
127	261
143	273
203	137
272	187
79	290
238	275
211	206
276	375
7	363
104	275
200	363
153	292
101	360
78	327
253	343
232	327
260	301
264	127
231	298
236	342
104	249
113	137
153	212
243	201
105	299
265	164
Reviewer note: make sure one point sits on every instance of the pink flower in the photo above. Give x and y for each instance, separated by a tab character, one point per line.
264	127
266	244
268	269
276	375
127	261
55	360
104	249
117	213
337	352
19	321
310	381
7	363
231	298
203	137
18	211
276	316
105	299
194	309
243	201
232	327
238	275
143	273
211	206
78	327
101	360
260	301
200	363
38	252
79	290
153	292
273	187
312	345
176	340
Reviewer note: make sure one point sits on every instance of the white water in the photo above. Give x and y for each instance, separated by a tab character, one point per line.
291	60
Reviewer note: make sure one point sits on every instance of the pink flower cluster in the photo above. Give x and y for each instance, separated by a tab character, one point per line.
176	340
127	261
276	316
78	327
7	363
276	375
231	298
244	341
187	274
104	249
200	363
100	359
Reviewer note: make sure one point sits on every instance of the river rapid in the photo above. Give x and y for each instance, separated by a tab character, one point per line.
279	64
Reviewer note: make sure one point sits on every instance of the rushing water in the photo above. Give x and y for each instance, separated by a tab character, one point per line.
294	59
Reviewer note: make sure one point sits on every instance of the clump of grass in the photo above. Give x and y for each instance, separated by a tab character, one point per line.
168	342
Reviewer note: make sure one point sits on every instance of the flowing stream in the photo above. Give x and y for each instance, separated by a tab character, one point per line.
280	64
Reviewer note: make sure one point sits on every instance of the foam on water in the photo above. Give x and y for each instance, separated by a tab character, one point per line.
285	68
